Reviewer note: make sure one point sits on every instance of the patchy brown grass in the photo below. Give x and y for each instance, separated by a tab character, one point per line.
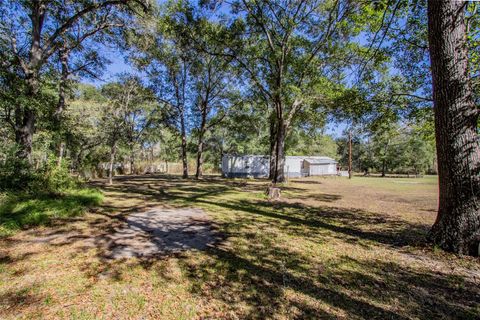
332	248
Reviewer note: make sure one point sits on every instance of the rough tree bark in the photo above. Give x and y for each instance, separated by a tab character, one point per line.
25	115
279	175
457	227
24	129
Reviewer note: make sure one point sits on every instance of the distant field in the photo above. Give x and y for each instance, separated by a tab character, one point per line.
332	248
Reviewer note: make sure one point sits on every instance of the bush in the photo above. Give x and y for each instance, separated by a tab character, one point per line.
49	178
53	178
37	196
15	174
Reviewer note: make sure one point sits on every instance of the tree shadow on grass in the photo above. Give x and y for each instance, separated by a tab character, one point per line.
338	222
354	288
158	232
259	278
19	299
309	221
322	197
265	278
162	188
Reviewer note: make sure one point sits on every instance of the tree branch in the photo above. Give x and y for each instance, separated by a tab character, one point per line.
77	16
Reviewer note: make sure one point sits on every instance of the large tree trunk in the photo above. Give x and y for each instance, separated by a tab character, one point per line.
203	124
184	147
25	121
24	115
457	227
24	128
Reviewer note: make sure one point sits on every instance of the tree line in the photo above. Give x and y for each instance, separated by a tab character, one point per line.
265	76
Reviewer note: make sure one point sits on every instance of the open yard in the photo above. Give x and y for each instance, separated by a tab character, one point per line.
160	247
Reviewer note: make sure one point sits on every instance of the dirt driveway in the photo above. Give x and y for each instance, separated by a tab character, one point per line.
160	231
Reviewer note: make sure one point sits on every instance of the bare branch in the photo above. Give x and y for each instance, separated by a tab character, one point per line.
77	16
413	96
387	26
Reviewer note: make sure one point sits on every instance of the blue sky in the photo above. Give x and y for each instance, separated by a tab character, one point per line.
118	65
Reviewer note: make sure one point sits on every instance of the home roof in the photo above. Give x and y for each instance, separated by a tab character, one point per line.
246	155
310	159
325	160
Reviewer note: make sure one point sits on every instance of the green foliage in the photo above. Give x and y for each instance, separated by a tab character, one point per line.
391	149
53	177
316	143
15	174
49	178
245	68
18	211
419	155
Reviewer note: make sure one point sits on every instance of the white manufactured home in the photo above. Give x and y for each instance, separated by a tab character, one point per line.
319	166
258	166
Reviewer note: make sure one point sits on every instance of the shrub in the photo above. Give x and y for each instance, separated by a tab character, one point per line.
49	178
15	174
53	178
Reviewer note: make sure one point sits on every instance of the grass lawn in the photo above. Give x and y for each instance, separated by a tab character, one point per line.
330	249
19	211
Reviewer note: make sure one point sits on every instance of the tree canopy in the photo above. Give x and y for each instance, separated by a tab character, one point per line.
209	78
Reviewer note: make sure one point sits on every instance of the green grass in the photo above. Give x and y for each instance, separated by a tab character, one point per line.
331	248
20	211
396	184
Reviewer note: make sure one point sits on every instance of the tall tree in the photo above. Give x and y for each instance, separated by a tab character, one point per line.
170	73
167	61
457	227
291	50
212	98
34	31
214	83
121	122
